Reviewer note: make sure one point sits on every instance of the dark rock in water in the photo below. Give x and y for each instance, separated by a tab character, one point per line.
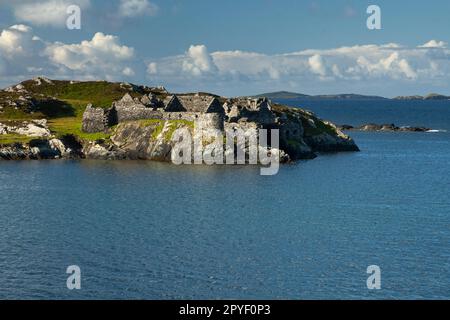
73	146
329	143
68	147
370	127
41	149
384	127
389	127
414	129
15	151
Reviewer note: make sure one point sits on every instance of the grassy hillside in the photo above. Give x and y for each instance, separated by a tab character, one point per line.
62	103
99	93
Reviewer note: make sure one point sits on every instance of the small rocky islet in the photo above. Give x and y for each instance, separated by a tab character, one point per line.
54	119
372	127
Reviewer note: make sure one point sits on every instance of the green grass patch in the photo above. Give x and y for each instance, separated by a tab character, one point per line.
158	126
8	139
10	113
63	126
320	128
174	125
99	93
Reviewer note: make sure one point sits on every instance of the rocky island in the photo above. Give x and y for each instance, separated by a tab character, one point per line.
54	119
384	128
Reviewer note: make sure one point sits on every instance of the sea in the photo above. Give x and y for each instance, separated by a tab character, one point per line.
145	230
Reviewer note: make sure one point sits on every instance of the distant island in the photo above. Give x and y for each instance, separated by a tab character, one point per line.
286	95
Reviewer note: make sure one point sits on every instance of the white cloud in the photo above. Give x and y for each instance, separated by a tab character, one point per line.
45	12
134	8
18	51
364	64
152	68
317	65
371	61
434	44
128	72
391	67
198	61
102	55
23	54
16	39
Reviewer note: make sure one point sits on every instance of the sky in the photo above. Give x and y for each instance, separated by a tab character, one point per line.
232	47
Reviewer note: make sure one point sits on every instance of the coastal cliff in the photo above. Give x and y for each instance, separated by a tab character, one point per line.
49	119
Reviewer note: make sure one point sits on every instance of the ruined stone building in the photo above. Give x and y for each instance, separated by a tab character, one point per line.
207	111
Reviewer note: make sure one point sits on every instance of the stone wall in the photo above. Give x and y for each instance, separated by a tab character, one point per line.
97	119
137	112
94	120
211	121
204	120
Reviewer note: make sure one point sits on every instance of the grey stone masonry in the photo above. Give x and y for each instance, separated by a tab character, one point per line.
203	109
94	120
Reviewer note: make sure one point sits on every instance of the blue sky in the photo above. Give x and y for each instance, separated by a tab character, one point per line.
233	47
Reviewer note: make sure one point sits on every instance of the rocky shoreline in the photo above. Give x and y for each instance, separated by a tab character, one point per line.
118	121
135	140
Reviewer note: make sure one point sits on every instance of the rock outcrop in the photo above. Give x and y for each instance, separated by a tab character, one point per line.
384	127
68	147
33	128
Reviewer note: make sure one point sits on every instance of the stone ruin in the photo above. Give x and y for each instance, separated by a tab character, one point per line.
203	109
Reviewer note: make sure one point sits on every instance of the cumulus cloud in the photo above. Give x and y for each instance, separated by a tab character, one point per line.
102	55
128	72
198	61
101	50
16	40
19	50
134	8
317	65
23	54
45	12
370	64
434	44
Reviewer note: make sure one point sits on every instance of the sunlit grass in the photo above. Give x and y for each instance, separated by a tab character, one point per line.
63	126
8	139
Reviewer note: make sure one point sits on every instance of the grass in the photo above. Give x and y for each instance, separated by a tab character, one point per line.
174	125
58	125
65	112
159	124
64	126
295	113
320	128
99	93
156	123
18	114
8	139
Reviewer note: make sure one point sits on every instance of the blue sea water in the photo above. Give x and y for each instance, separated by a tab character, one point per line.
156	231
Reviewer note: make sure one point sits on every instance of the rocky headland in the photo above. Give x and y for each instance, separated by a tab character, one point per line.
51	119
